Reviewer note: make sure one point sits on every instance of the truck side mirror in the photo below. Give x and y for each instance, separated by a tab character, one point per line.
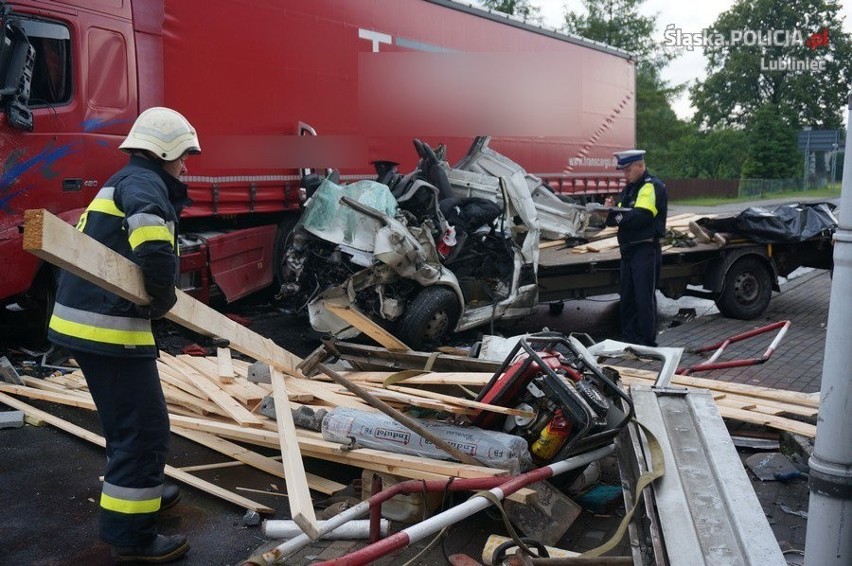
17	60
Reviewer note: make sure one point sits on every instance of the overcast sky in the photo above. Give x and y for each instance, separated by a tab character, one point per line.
689	17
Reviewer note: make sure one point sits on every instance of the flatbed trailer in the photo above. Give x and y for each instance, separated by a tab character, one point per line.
739	275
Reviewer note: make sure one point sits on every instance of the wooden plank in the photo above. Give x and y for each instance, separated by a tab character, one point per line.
301	507
71	399
53	240
327	392
57	242
416	400
464	402
254	459
48	418
209	368
388	360
49	385
180	397
216	466
779	423
602	245
177	379
741	401
551	244
226	368
779	395
766	408
468	379
312	444
170	471
363	323
219	492
221	398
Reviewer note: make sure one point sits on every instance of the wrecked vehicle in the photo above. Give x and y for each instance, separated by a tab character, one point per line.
439	250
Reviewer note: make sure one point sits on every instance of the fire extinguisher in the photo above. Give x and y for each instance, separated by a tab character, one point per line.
551	439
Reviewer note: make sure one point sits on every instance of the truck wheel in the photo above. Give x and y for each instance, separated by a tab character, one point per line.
430	318
42	295
746	290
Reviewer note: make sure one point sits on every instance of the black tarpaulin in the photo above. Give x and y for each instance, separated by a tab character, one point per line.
787	223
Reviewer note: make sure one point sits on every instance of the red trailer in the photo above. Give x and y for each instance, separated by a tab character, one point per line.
256	79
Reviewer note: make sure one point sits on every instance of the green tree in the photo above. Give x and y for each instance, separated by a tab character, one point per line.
618	23
658	129
772	151
712	154
740	77
521	8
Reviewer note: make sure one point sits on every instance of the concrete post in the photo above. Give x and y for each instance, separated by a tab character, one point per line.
829	536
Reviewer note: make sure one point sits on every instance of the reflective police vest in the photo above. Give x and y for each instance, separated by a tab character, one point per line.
646	222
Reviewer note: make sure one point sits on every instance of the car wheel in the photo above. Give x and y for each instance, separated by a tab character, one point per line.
430	318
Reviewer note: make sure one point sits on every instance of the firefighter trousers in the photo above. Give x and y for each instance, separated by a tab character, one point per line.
135	420
640	271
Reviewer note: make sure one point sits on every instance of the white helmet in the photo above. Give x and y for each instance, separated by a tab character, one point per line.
163	132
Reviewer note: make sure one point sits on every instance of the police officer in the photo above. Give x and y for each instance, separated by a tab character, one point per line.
640	230
135	214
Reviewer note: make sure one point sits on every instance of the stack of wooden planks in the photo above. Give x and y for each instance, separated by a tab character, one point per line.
774	408
215	412
605	240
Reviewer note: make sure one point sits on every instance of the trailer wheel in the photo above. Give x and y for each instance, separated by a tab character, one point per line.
430	318
746	290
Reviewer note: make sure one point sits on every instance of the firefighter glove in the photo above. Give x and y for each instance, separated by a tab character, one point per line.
163	298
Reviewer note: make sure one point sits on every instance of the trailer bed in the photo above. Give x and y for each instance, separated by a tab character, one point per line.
563	274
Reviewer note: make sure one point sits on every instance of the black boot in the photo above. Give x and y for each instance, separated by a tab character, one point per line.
171	496
161	549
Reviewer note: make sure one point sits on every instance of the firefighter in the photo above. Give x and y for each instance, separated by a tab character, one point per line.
640	230
135	214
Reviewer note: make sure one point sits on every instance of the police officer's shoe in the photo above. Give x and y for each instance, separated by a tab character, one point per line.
171	495
162	549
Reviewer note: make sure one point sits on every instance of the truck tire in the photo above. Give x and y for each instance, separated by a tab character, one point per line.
430	318
746	290
41	296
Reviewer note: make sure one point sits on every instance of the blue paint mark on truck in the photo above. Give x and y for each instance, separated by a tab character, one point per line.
14	169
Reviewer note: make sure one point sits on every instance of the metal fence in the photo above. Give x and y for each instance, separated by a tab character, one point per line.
681	189
763	187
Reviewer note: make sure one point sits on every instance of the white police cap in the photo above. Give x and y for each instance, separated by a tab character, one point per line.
625	158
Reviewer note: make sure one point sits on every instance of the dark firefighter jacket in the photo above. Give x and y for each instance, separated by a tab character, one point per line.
646	219
136	215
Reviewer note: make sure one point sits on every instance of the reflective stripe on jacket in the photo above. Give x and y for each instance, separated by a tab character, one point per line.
646	221
135	215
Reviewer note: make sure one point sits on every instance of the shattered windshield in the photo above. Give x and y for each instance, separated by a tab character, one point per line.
326	217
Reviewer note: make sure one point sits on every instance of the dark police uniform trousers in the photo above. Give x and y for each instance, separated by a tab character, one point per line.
640	271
